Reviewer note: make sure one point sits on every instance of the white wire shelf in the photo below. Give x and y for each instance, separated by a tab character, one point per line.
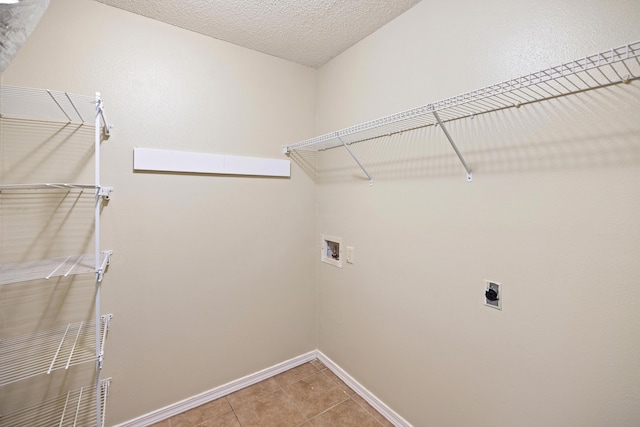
73	409
54	267
47	186
47	105
102	191
48	351
614	66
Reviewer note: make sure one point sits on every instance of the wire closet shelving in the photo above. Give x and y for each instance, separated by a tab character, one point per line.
47	351
76	343
73	409
607	68
54	267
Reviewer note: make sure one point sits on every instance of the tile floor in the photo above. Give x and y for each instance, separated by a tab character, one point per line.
308	395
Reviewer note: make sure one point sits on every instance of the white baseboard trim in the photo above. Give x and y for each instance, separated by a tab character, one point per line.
223	390
371	399
217	392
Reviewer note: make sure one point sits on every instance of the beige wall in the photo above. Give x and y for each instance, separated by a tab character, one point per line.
212	276
553	213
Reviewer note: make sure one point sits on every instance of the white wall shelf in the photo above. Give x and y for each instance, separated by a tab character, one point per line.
54	267
47	351
156	160
75	408
610	67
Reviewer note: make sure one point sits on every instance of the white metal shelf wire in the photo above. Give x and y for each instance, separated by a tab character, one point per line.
101	190
47	105
48	351
611	67
73	409
54	267
47	186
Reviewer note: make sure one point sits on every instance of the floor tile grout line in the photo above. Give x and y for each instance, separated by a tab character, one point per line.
256	398
320	371
328	409
280	388
307	419
234	411
367	410
293	402
349	395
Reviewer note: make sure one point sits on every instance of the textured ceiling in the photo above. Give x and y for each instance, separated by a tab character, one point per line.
309	32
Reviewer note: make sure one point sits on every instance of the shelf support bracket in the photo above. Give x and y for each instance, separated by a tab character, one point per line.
103	266
453	145
107	126
105	319
356	159
105	192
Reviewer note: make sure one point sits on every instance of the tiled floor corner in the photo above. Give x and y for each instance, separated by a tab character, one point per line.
309	395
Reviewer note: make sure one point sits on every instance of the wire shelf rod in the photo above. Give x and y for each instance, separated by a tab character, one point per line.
58	104
73	348
77	410
57	268
453	145
72	268
55	356
509	97
357	161
570	81
64	410
74	107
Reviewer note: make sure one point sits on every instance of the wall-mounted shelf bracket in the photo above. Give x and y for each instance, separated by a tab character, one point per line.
103	266
453	145
105	192
105	318
107	126
356	159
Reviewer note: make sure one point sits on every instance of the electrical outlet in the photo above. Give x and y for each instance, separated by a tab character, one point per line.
351	255
493	294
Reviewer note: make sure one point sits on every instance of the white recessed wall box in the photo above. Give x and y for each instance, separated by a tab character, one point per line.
331	250
493	294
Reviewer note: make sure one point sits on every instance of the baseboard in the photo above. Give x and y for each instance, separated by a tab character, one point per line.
371	399
218	392
223	390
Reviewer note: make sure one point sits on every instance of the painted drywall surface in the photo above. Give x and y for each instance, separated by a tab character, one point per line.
552	213
212	276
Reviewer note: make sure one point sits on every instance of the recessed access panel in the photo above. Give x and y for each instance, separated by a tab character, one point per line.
493	294
331	250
